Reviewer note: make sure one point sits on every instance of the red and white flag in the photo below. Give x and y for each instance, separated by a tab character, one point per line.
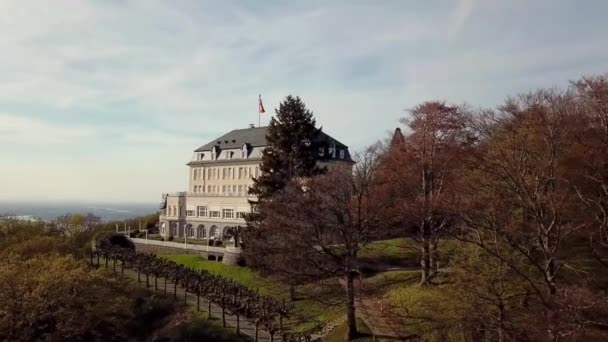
261	105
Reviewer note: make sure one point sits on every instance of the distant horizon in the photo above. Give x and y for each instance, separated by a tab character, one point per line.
48	210
79	201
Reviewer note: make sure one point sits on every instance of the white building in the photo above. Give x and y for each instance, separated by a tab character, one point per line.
221	173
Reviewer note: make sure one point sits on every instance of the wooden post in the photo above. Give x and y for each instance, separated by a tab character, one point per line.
238	321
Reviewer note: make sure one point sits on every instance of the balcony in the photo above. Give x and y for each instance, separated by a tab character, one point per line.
209	194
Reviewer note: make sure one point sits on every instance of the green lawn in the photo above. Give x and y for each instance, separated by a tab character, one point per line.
242	275
337	335
403	251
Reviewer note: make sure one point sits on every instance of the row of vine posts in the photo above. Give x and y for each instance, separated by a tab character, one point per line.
230	296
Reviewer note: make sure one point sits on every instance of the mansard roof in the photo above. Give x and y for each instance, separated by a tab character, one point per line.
254	137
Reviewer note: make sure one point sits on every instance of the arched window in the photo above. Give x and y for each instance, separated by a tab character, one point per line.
163	229
214	232
189	231
201	232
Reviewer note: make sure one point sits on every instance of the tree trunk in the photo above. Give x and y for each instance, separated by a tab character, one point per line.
208	308
198	301
434	257
185	296
257	329
425	261
92	263
351	320
155	282
292	292
114	265
165	285
138	276
122	267
147	280
550	276
175	289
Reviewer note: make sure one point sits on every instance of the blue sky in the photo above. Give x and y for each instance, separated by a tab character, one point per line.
105	100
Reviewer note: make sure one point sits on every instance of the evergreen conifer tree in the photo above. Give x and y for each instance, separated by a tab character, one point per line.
292	149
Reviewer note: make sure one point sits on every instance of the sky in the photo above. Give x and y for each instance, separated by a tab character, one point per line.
106	100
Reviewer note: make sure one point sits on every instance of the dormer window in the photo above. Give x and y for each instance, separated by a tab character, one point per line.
341	154
230	155
214	153
332	149
244	151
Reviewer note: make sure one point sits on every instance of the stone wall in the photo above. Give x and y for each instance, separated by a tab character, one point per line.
227	255
147	248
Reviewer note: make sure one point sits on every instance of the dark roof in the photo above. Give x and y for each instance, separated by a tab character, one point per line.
255	137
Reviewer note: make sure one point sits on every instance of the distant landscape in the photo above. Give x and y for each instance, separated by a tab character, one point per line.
50	210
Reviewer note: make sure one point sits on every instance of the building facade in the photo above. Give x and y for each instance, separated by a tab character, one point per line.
220	175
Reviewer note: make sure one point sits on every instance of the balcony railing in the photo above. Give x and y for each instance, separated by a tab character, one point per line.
209	194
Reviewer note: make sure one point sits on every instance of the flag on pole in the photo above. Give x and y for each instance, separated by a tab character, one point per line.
261	105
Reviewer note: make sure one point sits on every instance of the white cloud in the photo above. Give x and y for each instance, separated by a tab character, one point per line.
28	131
459	17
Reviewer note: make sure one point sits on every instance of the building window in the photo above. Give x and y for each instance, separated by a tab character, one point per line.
214	214
240	214
244	151
189	212
233	189
257	171
321	151
332	149
228	213
341	154
202	211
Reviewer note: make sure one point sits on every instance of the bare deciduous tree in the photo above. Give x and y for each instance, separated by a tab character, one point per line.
315	228
421	171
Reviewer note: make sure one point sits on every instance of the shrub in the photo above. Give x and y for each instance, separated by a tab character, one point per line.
170	238
218	243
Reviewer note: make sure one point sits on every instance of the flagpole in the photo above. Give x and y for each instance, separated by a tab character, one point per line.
259	112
